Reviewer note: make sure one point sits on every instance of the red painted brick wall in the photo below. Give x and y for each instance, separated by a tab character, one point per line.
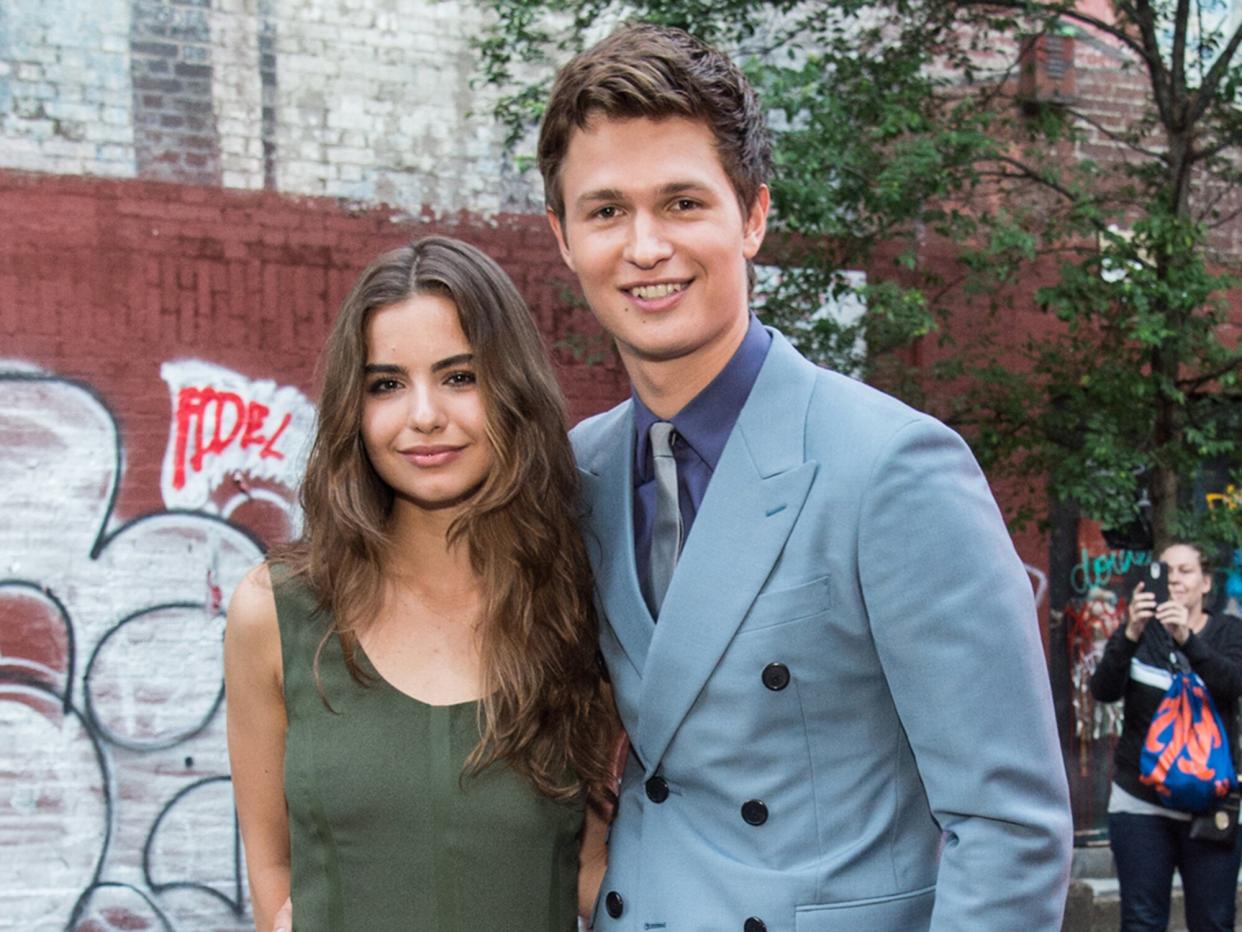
102	281
158	345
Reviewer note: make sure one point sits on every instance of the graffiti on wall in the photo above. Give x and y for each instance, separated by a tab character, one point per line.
115	804
232	439
1100	581
1231	500
1233	585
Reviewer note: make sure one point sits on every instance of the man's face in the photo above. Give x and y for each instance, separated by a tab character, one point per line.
656	236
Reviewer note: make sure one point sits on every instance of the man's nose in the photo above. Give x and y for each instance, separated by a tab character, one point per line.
647	245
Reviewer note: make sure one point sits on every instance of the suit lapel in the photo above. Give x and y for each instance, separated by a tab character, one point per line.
609	493
754	498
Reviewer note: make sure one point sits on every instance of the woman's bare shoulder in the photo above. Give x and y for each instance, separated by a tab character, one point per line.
252	609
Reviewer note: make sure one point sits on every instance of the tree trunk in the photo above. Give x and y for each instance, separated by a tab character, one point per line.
1164	484
1164	478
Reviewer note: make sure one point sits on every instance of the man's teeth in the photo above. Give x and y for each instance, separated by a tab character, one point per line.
649	292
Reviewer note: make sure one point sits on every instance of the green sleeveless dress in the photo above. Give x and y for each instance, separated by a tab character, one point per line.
385	835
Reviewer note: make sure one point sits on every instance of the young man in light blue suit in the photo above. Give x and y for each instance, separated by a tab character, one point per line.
838	708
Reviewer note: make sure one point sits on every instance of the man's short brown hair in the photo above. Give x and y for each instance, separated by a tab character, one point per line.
644	70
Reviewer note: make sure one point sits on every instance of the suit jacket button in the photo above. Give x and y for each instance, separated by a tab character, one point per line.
614	904
754	812
657	789
754	924
776	676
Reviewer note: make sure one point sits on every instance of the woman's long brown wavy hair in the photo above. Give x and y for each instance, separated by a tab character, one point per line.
547	712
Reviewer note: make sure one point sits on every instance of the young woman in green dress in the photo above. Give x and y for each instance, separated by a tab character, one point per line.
418	731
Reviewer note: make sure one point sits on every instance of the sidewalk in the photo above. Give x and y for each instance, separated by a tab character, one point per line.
1093	904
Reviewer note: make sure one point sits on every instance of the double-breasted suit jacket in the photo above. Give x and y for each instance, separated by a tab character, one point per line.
842	720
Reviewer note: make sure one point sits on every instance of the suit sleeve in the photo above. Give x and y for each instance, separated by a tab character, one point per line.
954	623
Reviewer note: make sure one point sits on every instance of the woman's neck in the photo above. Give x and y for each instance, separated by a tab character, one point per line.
420	557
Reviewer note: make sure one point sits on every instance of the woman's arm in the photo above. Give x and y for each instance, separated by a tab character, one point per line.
253	680
592	860
1219	664
593	852
1108	682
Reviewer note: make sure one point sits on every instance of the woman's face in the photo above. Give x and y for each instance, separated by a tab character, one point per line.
424	420
1188	584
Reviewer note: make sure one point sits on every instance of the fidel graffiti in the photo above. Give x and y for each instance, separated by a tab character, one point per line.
226	426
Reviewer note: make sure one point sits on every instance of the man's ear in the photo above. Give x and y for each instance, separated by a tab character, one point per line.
755	223
558	231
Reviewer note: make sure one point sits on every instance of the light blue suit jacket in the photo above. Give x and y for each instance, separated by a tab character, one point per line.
908	769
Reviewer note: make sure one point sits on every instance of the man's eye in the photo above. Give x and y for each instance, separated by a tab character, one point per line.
606	213
686	203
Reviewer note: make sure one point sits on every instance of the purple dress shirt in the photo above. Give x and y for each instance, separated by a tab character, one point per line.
702	429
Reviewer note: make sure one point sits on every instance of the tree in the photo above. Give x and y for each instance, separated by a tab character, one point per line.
931	144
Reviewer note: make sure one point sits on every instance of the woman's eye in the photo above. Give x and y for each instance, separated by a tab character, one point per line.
460	378
383	386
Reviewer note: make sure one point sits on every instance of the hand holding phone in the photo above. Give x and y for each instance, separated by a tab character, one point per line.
1151	592
1156	580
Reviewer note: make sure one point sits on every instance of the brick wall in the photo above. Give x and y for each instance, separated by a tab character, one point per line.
187	188
370	101
157	352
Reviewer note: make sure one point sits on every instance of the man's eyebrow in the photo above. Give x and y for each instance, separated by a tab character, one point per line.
680	187
600	194
461	359
669	189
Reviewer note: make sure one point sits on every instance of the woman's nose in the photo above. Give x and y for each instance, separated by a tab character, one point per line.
426	415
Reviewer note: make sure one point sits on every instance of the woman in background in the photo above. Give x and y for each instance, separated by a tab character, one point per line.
416	719
1147	839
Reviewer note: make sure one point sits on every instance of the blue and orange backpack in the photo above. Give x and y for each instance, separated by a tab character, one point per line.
1186	757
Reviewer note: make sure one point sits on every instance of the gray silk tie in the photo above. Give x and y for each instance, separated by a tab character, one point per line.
666	528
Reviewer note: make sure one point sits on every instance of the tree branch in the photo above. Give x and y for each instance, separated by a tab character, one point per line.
1223	219
1203	378
1210	86
1070	13
1199	155
1114	135
1026	171
1144	17
1178	64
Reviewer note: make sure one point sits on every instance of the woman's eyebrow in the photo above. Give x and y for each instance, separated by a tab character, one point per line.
460	359
383	368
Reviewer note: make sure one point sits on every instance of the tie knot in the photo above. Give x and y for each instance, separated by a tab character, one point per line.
661	435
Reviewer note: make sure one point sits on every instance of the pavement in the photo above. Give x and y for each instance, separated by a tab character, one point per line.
1093	904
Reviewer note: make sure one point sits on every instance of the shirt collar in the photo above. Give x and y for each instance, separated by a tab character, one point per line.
707	420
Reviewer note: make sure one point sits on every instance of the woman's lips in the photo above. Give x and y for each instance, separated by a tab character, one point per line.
431	456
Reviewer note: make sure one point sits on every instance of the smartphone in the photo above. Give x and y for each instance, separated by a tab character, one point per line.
1156	580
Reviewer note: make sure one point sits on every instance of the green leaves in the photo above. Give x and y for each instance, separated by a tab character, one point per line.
1039	266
